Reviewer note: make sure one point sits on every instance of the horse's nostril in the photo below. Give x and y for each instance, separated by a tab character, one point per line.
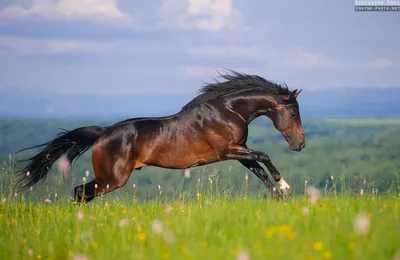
302	145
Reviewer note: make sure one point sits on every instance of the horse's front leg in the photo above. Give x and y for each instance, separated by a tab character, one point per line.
243	153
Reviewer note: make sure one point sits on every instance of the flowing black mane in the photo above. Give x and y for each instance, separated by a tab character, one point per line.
236	82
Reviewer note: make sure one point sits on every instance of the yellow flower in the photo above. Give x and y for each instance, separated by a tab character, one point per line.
142	237
235	251
309	256
369	215
244	198
94	244
291	235
396	206
270	232
124	211
166	256
318	245
204	243
25	241
351	245
284	229
38	257
327	255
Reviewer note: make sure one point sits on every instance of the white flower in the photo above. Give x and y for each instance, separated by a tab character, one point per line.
157	226
80	215
123	222
87	173
169	237
187	173
361	224
243	255
306	211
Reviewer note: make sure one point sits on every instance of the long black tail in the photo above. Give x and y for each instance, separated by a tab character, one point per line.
72	143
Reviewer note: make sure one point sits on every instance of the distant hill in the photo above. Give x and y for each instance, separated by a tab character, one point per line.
333	103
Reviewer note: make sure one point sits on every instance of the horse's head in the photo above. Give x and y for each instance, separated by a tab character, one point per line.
286	118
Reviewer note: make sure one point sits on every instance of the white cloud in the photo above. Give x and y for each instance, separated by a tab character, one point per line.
306	59
10	45
211	15
250	52
64	9
378	64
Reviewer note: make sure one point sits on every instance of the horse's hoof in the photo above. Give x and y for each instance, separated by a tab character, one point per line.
287	191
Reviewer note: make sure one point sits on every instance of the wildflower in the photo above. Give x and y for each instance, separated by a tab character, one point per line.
38	257
47	200
351	245
96	186
318	245
210	180
361	192
159	187
64	165
331	177
246	177
16	194
187	173
87	173
157	226
28	173
134	186
361	224
169	237
168	209
313	193
327	255
80	215
142	237
123	222
3	201
306	211
243	255
80	257
84	179
270	232
30	252
94	244
204	244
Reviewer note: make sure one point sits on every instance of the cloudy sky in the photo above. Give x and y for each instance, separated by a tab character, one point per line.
130	46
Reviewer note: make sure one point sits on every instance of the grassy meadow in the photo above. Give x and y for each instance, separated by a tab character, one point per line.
209	227
345	204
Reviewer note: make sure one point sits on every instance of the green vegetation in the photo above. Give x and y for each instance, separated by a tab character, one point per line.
351	153
210	227
215	213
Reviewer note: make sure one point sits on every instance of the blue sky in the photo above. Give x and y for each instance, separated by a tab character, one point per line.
110	47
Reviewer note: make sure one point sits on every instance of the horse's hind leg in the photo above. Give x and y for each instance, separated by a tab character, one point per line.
111	172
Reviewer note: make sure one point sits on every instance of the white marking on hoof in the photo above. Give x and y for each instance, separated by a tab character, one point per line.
283	184
284	187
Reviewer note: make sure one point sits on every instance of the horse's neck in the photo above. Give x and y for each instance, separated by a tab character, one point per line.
254	106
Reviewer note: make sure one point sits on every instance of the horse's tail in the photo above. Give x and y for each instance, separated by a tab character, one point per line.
72	143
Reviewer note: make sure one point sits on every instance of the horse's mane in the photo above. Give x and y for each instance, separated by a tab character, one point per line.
236	82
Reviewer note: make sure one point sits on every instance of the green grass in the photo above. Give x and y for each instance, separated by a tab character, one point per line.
366	121
209	227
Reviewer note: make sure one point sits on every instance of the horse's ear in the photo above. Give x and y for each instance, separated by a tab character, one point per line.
295	93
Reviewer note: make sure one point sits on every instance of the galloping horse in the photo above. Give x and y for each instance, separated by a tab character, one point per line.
210	128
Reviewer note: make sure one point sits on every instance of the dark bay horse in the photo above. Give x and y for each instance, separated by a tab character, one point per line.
212	127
